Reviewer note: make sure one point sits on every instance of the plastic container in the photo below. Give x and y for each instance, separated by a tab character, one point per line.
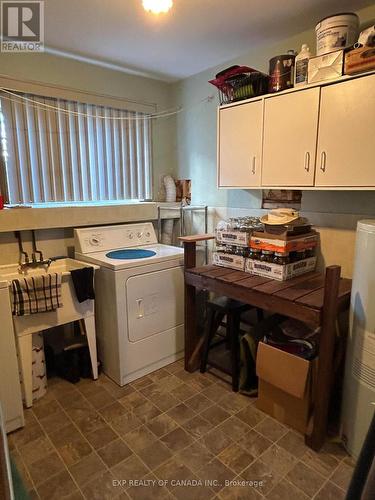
336	32
39	375
301	66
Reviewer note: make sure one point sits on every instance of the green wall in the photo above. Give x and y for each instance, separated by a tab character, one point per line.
196	136
185	146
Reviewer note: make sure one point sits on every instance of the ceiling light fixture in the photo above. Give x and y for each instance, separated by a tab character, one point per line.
157	6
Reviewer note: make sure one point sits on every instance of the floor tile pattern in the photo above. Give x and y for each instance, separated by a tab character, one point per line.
180	435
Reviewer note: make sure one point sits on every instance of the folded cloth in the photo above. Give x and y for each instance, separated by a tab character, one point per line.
36	294
83	281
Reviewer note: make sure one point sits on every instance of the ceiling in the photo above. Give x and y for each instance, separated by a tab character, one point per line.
193	36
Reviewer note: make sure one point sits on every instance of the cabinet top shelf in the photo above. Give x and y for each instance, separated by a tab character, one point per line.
342	79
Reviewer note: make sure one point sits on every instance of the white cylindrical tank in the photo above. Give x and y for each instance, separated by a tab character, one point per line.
359	385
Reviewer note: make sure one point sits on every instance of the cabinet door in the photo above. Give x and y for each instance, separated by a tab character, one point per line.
289	142
240	145
346	142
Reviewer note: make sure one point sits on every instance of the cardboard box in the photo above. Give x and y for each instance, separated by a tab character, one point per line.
359	60
279	272
183	191
326	67
228	260
285	386
277	243
239	238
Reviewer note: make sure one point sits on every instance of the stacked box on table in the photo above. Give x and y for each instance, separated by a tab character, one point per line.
280	272
284	243
237	238
228	260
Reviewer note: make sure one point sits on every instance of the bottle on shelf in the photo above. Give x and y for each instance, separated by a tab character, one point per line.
301	66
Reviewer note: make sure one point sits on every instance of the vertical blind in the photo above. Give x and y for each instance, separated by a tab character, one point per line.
50	155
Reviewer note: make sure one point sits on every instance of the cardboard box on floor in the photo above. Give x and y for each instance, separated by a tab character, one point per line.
285	386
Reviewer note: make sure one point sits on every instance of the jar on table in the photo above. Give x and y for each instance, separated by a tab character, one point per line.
246	224
281	259
266	256
310	252
243	251
234	223
231	249
300	255
254	253
253	223
221	249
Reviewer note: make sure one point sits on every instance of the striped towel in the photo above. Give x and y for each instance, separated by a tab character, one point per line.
36	294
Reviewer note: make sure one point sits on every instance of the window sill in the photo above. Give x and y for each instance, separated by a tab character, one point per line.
70	204
63	216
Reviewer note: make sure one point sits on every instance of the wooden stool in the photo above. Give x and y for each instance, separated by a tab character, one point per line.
216	310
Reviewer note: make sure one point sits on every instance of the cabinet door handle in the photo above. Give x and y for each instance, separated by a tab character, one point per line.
253	169
140	308
307	161
323	158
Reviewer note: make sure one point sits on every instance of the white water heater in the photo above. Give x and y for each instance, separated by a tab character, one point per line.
359	385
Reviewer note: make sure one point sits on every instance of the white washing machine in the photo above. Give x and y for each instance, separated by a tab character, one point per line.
139	292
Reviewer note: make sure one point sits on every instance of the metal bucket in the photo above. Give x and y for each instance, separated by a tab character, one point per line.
281	72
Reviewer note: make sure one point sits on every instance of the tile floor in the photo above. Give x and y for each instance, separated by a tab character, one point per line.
89	440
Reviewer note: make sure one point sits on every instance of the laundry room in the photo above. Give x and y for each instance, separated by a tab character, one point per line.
187	241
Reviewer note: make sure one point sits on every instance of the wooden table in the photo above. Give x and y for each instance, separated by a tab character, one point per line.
313	298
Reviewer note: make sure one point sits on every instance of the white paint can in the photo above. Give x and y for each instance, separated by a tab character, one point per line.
336	32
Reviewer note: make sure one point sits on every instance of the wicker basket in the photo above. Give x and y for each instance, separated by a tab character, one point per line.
240	82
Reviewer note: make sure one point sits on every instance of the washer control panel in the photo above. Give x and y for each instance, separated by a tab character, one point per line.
96	239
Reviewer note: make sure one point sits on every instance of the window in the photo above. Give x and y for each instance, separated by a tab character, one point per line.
55	150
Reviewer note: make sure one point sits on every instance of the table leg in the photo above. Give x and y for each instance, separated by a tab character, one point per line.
234	328
323	385
193	343
25	354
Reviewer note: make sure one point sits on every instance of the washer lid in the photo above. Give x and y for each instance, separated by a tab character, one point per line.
162	253
130	253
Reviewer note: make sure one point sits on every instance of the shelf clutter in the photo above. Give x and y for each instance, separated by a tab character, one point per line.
279	246
340	50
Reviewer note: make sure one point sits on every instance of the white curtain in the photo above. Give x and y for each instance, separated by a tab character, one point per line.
50	156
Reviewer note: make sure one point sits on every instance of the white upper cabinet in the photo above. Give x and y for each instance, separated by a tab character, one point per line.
318	137
240	145
346	141
289	141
